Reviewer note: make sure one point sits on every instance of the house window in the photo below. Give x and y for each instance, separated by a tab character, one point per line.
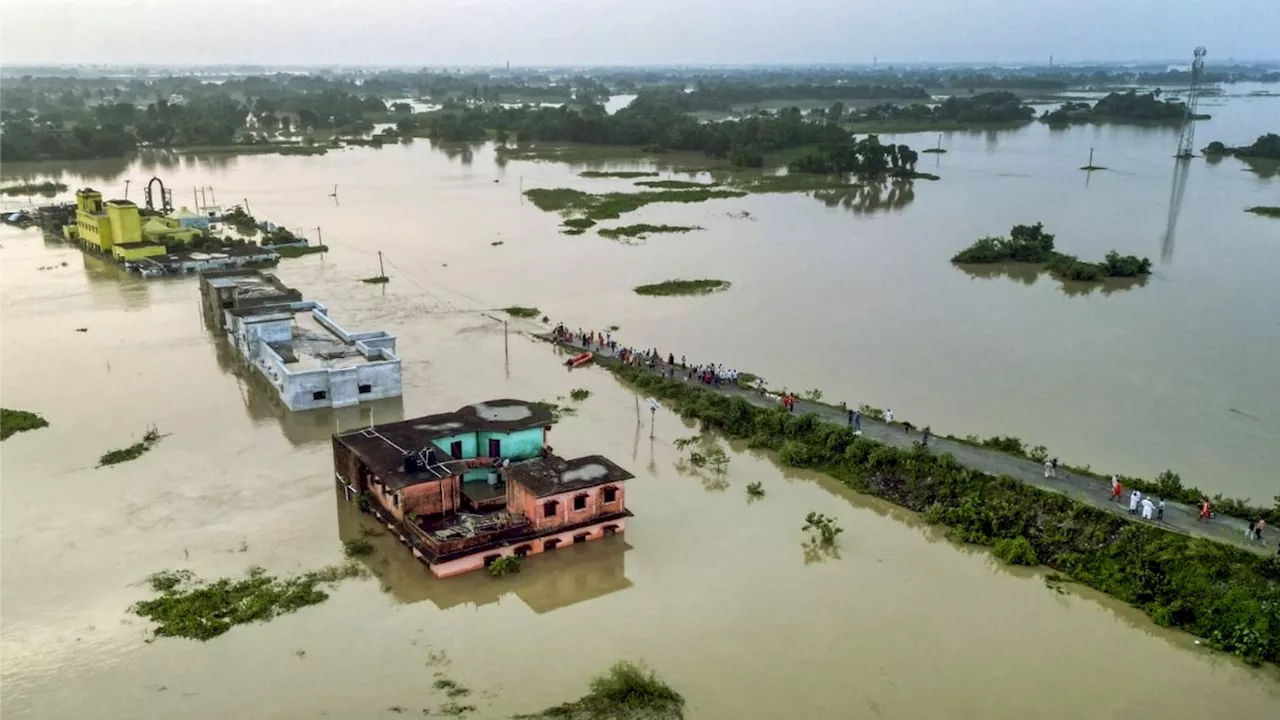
455	449
489	559
551	544
580	502
610	529
523	550
495	447
366	389
610	494
580	538
549	510
319	395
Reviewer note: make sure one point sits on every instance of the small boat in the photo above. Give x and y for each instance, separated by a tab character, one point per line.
579	360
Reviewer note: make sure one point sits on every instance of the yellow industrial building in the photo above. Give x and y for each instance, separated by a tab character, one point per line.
116	228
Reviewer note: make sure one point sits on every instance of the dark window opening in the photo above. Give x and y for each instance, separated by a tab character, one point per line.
456	450
610	529
523	550
551	544
495	448
610	494
489	559
580	538
580	502
549	510
319	395
366	389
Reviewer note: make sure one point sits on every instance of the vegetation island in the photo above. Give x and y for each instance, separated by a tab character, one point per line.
1031	244
683	287
13	422
1266	147
1126	107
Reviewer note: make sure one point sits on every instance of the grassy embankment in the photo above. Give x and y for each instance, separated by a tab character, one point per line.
683	287
47	188
522	312
1227	595
623	174
13	422
643	230
294	251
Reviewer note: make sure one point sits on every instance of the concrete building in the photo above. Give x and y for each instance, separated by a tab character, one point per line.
310	360
241	258
463	489
240	289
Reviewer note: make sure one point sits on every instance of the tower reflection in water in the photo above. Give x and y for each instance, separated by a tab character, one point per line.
547	581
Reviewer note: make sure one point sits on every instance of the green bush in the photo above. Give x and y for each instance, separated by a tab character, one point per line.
16	421
504	565
357	546
1016	551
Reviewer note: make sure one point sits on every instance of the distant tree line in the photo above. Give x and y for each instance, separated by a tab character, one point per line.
984	108
724	95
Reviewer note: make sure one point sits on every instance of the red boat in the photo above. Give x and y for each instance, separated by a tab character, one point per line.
579	360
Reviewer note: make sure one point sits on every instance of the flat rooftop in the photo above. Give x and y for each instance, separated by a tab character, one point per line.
219	254
553	475
314	347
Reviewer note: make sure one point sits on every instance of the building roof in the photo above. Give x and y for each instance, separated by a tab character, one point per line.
383	447
553	475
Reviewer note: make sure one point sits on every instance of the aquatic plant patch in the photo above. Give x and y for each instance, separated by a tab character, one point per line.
683	287
16	421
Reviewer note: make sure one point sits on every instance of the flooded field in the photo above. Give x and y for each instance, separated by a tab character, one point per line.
713	591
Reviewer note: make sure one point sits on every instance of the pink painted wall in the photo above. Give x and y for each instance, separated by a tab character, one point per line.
476	562
524	501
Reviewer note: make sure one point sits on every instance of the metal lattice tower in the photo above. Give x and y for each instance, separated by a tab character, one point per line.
1187	140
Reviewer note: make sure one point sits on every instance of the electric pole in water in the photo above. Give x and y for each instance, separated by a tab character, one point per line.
126	189
381	272
653	415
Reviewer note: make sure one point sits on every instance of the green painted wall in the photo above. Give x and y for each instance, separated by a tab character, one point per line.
467	439
519	445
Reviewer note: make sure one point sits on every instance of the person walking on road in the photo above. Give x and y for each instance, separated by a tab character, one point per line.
1205	511
857	422
1160	510
1116	488
1048	468
1148	508
851	419
924	442
1135	497
888	417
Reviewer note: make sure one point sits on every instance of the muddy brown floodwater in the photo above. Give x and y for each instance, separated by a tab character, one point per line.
715	592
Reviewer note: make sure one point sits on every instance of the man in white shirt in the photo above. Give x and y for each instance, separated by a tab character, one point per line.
1148	508
888	416
1134	498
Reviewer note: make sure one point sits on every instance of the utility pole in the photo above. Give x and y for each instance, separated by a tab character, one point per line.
211	196
195	199
246	204
203	202
1090	157
381	272
126	189
653	415
320	239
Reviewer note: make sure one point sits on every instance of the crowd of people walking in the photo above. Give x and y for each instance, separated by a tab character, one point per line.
717	376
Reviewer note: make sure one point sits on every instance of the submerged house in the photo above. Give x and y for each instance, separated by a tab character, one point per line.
465	488
310	360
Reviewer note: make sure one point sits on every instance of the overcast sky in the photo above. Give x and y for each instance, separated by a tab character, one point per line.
630	32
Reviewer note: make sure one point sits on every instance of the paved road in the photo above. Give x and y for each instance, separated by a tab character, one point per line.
1178	517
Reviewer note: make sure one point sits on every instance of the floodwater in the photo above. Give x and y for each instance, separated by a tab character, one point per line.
715	592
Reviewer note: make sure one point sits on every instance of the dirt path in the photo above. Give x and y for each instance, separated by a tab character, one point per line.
1177	516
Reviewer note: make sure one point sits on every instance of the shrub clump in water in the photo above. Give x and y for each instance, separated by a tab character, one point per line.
16	421
132	452
626	690
683	287
522	312
189	608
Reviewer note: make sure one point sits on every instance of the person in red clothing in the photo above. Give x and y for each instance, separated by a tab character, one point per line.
1204	510
1116	488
